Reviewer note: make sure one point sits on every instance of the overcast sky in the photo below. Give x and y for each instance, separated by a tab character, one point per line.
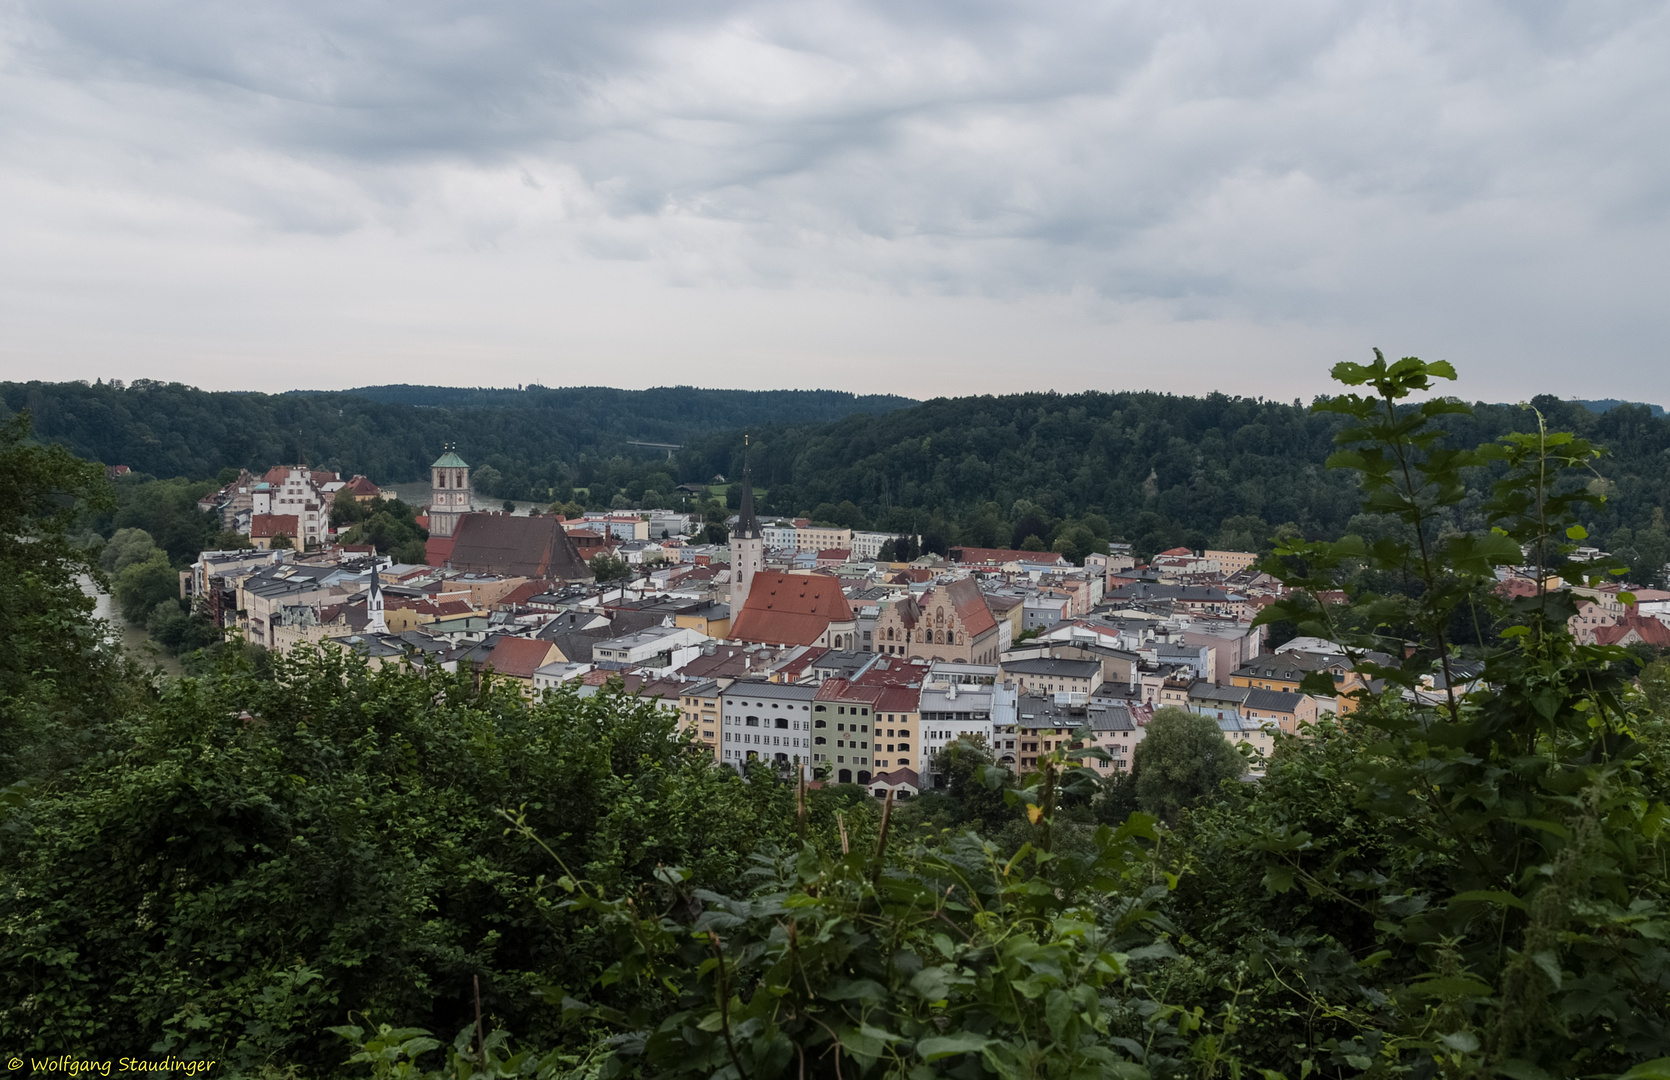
924	198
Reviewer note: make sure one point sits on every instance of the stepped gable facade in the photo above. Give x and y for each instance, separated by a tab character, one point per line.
951	621
795	609
530	547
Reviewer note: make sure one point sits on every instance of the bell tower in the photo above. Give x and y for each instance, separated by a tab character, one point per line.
449	492
374	621
747	543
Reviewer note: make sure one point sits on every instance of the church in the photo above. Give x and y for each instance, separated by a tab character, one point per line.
773	608
462	538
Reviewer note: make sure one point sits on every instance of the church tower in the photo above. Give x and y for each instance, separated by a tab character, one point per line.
374	622
449	494
747	544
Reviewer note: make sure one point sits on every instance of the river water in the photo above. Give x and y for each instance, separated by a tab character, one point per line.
135	641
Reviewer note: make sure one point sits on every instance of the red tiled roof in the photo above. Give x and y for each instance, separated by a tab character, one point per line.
267	526
1178	551
519	657
897	699
844	690
1516	587
897	778
790	609
791	670
835	554
971	606
522	593
894	671
519	546
359	485
1644	627
601	676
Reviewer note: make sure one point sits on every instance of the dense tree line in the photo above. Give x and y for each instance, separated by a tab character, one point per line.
1156	470
1057	472
536	440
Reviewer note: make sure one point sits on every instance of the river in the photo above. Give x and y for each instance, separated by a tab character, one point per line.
135	641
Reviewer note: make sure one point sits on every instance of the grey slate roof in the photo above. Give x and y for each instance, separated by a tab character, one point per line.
1067	669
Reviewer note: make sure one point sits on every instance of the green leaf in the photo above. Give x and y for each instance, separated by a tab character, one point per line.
1464	1041
943	1046
1550	965
1656	1069
1520	1069
1489	896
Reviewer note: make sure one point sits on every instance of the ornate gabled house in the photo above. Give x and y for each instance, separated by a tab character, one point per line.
950	622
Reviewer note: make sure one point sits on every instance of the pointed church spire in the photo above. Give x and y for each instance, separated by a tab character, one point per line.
374	622
747	525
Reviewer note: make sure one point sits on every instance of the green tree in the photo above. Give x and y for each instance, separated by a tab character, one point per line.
1487	845
167	511
976	787
259	856
124	548
54	671
610	568
141	586
1182	761
387	525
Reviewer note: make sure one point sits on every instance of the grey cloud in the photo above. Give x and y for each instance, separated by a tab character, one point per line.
1309	160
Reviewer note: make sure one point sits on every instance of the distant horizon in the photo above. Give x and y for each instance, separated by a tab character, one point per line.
1660	409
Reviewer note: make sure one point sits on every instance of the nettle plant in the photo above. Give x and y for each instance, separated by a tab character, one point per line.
1519	920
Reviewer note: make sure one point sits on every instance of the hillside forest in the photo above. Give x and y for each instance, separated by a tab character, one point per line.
1069	473
300	867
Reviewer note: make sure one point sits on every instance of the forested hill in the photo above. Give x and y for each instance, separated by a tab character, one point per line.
1156	469
683	408
392	433
1071	471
